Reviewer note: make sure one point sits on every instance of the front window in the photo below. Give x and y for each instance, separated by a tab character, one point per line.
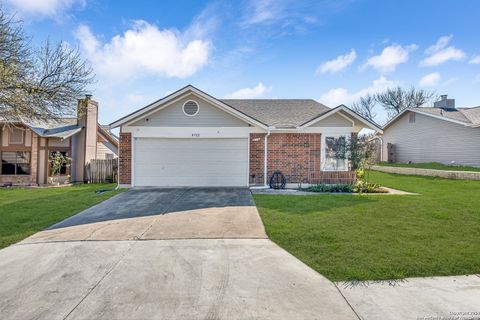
334	157
16	163
59	162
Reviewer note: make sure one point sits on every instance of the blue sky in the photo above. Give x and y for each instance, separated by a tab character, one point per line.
331	51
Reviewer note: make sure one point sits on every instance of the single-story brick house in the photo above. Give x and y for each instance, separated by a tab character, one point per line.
190	138
25	147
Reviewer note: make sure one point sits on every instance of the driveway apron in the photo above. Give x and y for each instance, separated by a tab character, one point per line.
164	254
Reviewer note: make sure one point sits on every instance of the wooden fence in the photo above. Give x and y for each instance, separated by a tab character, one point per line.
103	170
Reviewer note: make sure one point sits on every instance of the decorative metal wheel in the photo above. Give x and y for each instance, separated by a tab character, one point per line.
277	180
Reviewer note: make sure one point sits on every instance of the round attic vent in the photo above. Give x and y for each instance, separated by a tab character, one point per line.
190	108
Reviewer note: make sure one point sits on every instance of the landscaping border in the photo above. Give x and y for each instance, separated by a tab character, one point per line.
457	175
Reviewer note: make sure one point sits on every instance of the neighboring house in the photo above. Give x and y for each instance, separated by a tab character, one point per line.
441	133
25	147
190	138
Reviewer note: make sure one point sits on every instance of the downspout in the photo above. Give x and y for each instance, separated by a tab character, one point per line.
265	158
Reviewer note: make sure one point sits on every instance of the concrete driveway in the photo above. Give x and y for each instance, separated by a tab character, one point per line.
166	254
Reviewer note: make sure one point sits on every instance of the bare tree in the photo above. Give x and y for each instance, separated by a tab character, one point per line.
365	106
395	100
38	83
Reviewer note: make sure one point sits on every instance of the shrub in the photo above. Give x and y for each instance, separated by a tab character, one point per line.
340	187
362	186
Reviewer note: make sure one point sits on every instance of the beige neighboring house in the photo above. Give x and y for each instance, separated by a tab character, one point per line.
25	147
441	133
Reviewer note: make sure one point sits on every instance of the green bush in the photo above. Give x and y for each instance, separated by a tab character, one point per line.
340	187
359	187
362	186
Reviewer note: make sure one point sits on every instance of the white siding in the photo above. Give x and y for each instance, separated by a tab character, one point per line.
104	148
173	116
432	140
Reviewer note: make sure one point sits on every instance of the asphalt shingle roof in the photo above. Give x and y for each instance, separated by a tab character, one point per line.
472	114
279	112
466	115
58	128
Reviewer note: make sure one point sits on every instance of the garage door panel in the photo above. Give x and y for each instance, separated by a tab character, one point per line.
199	158
190	162
193	171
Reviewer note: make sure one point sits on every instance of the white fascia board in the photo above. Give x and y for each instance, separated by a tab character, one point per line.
322	130
191	132
349	112
165	102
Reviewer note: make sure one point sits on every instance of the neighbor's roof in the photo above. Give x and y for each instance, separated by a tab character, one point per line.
472	114
58	128
279	112
106	129
465	116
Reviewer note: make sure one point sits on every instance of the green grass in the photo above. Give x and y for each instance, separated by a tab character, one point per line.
431	165
373	237
25	211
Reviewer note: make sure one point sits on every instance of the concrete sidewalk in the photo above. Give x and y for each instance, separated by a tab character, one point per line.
455	297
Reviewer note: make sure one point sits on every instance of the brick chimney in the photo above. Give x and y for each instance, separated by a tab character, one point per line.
445	103
84	146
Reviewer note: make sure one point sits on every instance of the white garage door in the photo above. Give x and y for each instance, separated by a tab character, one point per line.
190	162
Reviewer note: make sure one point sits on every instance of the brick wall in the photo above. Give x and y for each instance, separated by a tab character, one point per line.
257	155
333	177
125	158
297	155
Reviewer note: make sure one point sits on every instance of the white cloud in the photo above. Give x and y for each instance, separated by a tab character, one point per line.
475	59
439	53
441	43
337	64
250	93
430	80
262	11
45	8
390	57
145	50
337	96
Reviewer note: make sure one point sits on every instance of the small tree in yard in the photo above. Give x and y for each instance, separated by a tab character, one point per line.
359	151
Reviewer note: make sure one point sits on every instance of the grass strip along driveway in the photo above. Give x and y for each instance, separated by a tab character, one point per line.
431	165
25	211
374	237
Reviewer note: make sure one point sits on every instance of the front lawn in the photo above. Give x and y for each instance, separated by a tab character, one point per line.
431	165
25	211
367	237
